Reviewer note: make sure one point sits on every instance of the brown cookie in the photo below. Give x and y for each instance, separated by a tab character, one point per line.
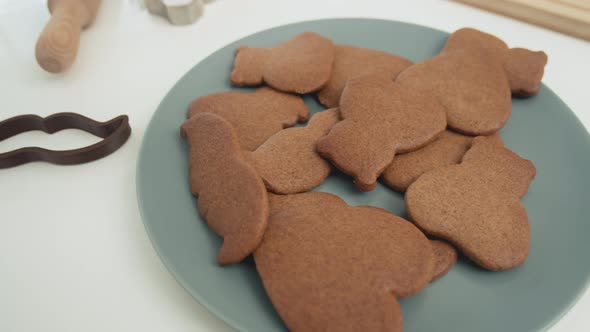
379	119
476	205
352	61
232	197
524	68
445	256
469	78
328	266
288	161
254	115
469	38
470	84
447	149
301	64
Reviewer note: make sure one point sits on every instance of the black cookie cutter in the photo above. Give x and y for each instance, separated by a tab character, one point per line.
114	133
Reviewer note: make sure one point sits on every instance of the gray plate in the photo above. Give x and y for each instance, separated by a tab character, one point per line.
528	298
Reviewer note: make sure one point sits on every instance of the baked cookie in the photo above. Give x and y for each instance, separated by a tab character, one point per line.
379	119
473	78
288	161
328	266
352	61
525	70
301	64
254	115
476	205
445	256
447	149
232	197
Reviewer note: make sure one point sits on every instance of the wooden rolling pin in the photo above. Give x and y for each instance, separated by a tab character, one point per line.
58	43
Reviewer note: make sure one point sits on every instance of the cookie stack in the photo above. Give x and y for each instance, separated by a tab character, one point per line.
428	129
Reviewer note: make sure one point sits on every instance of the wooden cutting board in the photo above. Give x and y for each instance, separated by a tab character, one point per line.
571	17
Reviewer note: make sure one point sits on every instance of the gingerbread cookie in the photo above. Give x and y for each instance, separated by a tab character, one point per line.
470	80
352	61
254	115
476	205
328	266
301	64
379	119
469	38
524	68
471	85
445	256
232	197
447	149
288	161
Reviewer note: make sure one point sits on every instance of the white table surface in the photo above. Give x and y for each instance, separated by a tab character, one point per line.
74	255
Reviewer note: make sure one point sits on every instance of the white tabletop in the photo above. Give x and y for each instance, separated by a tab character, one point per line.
74	253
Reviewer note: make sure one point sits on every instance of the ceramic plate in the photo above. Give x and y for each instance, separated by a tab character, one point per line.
528	298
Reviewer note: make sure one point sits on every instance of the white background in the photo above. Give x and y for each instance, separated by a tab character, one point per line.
74	255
